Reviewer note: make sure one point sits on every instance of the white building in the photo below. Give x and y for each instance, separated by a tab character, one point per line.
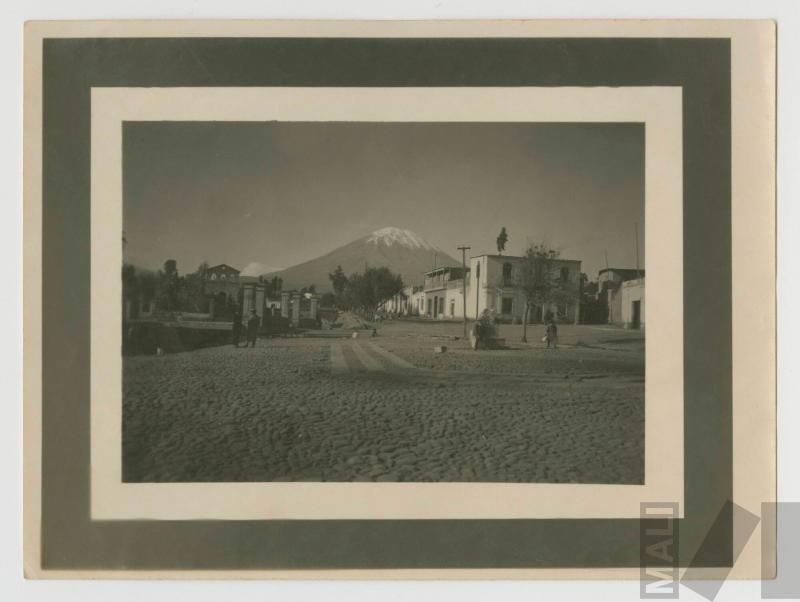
408	302
492	282
495	286
620	288
444	294
632	301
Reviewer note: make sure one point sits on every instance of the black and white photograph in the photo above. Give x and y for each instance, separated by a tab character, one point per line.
403	300
388	302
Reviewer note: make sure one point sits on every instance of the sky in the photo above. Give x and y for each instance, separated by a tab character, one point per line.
272	195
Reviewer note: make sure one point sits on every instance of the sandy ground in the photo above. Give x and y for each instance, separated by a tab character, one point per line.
389	409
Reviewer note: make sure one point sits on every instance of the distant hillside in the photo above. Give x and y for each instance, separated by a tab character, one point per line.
402	251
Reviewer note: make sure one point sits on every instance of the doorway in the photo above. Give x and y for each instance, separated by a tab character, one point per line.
636	314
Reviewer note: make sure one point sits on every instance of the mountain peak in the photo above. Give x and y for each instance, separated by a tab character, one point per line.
406	238
402	251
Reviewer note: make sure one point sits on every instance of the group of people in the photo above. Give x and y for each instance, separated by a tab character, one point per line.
253	322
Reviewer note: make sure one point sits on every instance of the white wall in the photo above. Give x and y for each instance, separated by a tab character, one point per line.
631	291
491	288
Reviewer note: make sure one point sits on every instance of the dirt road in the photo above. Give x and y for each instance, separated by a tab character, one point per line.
384	409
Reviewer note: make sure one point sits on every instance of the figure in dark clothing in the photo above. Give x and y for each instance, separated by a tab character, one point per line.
552	334
475	335
252	329
237	328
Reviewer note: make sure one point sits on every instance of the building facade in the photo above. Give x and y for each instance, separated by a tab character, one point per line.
408	302
495	286
612	285
493	282
632	302
613	277
444	292
222	282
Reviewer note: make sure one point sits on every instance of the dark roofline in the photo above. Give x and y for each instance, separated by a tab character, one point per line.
632	270
518	257
219	265
447	267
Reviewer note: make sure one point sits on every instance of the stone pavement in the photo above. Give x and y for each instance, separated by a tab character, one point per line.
355	356
383	409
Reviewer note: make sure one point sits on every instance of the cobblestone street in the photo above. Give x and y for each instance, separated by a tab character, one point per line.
384	409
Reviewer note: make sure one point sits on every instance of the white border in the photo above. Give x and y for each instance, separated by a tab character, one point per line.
658	107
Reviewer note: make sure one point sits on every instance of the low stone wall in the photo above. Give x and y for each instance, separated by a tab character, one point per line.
145	338
276	325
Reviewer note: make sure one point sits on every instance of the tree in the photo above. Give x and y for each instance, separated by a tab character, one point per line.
589	288
191	290
542	281
169	285
171	267
129	280
138	285
502	239
366	291
338	281
328	300
273	286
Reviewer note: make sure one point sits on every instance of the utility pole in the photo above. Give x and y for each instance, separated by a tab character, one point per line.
464	283
636	234
603	290
477	281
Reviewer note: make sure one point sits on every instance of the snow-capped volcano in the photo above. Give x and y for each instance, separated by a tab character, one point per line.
391	235
402	251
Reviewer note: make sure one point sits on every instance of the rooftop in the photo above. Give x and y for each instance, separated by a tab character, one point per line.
446	268
223	265
628	272
497	256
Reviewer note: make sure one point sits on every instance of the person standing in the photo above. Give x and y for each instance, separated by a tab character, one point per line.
252	329
552	334
475	335
237	327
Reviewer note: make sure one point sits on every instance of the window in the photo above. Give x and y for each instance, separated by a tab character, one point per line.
213	276
452	308
508	305
507	273
565	274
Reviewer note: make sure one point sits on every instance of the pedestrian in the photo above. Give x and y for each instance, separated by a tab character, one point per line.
237	327
252	329
552	334
475	335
